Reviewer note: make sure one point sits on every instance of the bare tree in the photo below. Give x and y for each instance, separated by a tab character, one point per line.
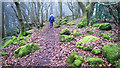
60	7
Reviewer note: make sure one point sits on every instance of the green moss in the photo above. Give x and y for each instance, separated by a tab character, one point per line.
66	38
95	61
110	52
3	53
80	47
71	23
13	37
27	38
15	43
87	39
118	64
56	26
25	50
105	26
89	32
30	31
20	37
76	63
87	48
8	43
106	36
21	43
75	60
96	51
82	24
65	31
62	21
96	25
75	33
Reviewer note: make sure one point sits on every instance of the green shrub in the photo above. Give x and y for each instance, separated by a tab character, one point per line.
71	23
75	33
20	37
3	53
25	50
89	31
56	26
75	60
118	64
87	39
8	43
96	51
65	31
110	52
95	61
66	38
105	26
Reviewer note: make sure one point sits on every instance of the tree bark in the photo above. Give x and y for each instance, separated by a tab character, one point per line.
3	24
60	6
20	18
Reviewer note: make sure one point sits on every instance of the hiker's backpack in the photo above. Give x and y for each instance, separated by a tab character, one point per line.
51	19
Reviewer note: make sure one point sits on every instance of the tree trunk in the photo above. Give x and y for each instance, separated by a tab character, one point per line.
60	6
41	14
3	24
20	18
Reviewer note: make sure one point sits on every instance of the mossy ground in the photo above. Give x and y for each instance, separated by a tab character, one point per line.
65	31
96	51
75	60
110	52
66	38
25	50
75	33
95	61
87	39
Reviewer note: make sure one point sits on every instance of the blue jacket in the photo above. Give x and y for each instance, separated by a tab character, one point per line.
52	20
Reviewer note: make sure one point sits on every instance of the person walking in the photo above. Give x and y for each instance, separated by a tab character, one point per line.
51	19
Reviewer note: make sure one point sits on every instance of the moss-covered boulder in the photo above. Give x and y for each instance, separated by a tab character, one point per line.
66	38
13	37
111	52
27	38
8	43
106	36
3	53
117	64
75	33
89	31
65	31
105	26
20	37
21	43
75	60
85	48
71	23
82	24
62	21
95	61
96	51
15	43
29	31
87	39
56	26
96	25
25	50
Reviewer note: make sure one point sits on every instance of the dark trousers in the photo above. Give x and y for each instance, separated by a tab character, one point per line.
51	24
